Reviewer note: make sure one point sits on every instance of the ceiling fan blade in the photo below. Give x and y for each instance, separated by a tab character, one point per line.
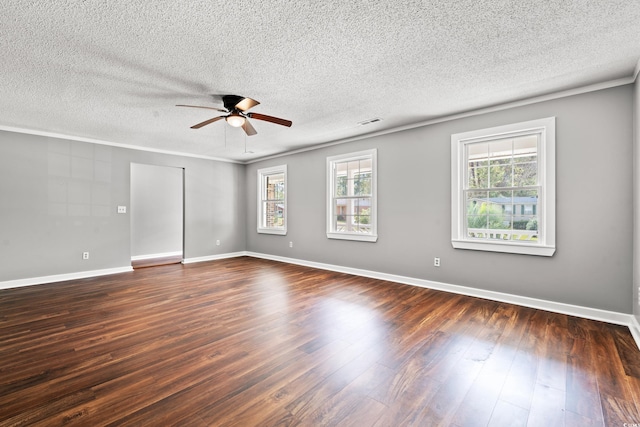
200	106
206	122
246	103
271	119
248	128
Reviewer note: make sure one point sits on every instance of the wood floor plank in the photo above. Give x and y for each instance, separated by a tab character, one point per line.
582	394
521	377
618	411
507	414
547	407
478	405
304	405
627	350
611	376
246	341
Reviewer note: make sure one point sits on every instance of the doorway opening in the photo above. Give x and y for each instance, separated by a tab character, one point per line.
157	215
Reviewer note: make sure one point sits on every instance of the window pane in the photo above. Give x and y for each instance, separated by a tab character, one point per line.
489	211
500	176
364	220
478	177
275	187
525	149
526	202
341	168
505	227
527	230
362	227
531	222
525	174
273	214
366	165
341	207
525	196
353	167
362	203
501	151
478	153
498	221
495	216
475	200
362	217
477	221
341	186
346	224
501	197
476	233
501	161
362	184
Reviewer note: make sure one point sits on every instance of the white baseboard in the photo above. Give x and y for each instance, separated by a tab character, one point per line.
214	257
151	256
556	307
62	277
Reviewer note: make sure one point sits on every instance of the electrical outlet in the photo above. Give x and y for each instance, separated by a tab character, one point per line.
85	255
436	262
122	209
217	242
290	244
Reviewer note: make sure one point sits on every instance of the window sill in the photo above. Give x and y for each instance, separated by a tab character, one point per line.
281	232
505	247
353	236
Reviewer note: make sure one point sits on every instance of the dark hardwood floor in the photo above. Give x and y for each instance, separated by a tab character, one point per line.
249	342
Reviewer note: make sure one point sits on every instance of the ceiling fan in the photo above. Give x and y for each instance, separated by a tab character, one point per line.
236	107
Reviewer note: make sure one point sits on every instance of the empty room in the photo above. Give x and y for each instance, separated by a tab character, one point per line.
407	213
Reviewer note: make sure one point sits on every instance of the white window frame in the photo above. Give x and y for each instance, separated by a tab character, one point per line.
332	233
546	210
262	175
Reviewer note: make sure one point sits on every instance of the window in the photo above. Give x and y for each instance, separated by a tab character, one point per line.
272	200
503	188
351	189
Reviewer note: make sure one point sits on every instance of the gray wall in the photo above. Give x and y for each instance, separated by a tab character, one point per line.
156	210
592	266
59	198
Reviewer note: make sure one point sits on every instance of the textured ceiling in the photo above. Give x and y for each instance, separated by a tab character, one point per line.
114	70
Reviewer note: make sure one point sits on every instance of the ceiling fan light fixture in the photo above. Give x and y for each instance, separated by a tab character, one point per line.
235	120
236	107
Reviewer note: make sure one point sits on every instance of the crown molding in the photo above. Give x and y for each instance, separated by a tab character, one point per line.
110	143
